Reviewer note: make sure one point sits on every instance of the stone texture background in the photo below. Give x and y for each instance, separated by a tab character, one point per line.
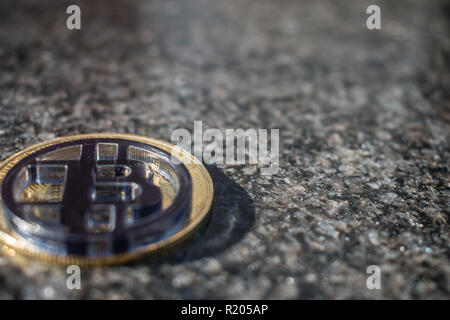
364	129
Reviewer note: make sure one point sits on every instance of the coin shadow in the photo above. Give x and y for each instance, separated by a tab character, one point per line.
232	217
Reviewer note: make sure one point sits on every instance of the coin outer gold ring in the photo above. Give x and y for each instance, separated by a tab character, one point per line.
202	198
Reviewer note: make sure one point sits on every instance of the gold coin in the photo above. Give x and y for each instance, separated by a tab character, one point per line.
102	198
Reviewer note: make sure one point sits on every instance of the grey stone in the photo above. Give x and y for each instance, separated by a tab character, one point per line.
364	129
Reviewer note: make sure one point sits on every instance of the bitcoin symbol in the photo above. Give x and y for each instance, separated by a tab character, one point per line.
96	197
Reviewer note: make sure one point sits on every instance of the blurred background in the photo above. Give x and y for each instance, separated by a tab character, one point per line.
364	137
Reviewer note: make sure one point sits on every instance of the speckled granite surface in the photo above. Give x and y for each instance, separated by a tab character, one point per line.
364	129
